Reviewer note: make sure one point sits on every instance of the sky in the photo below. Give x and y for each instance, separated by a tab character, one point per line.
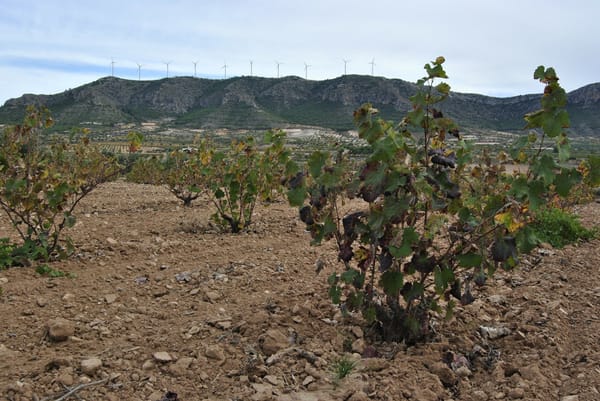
491	47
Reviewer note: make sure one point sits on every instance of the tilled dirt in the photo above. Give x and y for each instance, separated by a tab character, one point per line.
163	306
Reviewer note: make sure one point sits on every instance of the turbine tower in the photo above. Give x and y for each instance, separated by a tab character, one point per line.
112	67
139	71
372	66
345	64
251	62
278	64
306	70
225	70
195	63
167	64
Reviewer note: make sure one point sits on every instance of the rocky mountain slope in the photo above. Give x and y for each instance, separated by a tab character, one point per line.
255	102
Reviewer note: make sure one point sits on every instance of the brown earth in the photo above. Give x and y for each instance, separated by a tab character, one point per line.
162	301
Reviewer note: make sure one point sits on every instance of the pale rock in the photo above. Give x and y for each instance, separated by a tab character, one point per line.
215	352
68	297
570	398
262	391
358	346
532	373
41	302
480	395
60	329
211	296
148	365
181	367
375	364
90	366
359	396
357	331
464	371
272	380
160	292
3	280
110	298
311	371
156	396
445	374
425	394
6	353
193	330
516	393
272	341
493	333
162	356
223	324
111	241
66	379
497	299
308	380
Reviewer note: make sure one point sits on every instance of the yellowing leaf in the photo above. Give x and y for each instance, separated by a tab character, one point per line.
508	221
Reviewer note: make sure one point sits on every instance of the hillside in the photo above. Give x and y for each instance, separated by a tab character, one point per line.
259	103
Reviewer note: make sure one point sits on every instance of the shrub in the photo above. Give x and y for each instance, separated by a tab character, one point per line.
559	227
430	219
41	184
238	178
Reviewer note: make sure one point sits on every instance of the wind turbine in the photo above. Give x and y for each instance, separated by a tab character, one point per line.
225	69
278	64
345	63
139	71
251	62
195	62
112	67
167	64
306	70
372	66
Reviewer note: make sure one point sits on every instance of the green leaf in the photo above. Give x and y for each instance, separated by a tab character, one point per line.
565	181
296	196
536	192
69	220
401	251
526	239
443	277
545	167
335	293
593	177
373	131
349	276
316	162
520	187
551	126
392	282
443	87
471	259
539	72
415	291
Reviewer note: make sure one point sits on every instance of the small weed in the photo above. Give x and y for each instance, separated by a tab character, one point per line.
559	228
45	270
343	367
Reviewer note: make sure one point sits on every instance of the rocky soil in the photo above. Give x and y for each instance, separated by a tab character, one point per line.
160	305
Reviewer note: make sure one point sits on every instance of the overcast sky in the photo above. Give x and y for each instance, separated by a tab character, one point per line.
491	47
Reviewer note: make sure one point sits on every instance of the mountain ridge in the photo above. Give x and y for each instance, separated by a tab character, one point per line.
261	103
